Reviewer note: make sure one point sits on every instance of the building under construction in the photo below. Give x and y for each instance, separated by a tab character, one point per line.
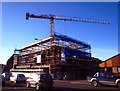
58	54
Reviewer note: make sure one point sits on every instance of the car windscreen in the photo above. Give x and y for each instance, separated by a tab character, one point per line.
21	75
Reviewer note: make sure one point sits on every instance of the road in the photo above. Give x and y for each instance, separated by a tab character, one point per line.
61	85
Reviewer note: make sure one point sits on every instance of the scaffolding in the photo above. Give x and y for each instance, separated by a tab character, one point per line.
55	54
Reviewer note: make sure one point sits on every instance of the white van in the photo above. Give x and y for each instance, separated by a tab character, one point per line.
18	78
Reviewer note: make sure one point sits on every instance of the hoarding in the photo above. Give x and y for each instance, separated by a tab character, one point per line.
38	58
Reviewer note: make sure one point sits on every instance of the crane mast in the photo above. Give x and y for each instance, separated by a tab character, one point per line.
65	18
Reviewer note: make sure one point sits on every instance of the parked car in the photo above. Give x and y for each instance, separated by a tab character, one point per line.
40	81
7	75
18	78
105	78
2	78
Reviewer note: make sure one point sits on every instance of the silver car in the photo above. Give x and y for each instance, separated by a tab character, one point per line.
40	81
105	78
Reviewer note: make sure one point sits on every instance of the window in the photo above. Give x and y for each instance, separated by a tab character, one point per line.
102	74
21	75
109	75
96	75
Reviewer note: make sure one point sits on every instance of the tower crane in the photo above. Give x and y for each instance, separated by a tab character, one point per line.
65	18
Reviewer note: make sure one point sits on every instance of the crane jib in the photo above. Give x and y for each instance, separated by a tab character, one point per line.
65	18
54	17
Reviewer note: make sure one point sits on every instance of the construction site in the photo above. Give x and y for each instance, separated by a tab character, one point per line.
58	54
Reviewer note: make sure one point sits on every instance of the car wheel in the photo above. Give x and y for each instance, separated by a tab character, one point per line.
118	84
27	84
37	86
49	86
95	83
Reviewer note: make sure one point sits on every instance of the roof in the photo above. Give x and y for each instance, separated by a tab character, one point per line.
112	57
38	42
59	37
69	39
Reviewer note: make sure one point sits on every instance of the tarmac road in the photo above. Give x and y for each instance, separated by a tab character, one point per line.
61	85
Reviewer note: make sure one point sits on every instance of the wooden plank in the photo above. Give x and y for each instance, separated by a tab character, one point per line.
23	66
102	64
109	63
116	61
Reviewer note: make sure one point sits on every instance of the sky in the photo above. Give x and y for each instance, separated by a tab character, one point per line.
18	32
